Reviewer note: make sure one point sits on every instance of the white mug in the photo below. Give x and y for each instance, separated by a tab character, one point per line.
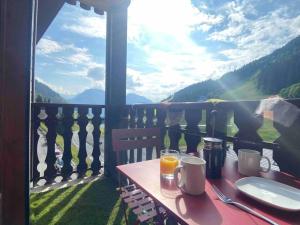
192	180
249	162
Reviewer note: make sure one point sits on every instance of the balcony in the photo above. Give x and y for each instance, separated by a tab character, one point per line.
61	156
67	140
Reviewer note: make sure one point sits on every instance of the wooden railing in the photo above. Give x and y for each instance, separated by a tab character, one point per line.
66	137
65	141
196	120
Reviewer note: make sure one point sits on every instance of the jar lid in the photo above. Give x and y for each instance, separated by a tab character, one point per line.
212	140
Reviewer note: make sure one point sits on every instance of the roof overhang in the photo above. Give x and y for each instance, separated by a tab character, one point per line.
100	6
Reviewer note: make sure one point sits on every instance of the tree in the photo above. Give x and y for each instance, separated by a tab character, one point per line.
38	98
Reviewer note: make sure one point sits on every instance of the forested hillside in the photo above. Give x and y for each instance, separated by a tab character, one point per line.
43	93
273	74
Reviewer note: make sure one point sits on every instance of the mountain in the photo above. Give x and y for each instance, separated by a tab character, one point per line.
263	77
43	93
136	99
97	97
89	96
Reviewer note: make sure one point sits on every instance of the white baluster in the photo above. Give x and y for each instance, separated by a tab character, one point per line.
42	147
89	138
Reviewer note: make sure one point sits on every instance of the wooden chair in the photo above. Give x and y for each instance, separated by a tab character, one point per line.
129	139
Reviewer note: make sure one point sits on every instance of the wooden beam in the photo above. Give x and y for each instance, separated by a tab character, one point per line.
47	11
100	5
115	88
15	70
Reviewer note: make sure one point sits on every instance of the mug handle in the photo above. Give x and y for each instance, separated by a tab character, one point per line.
178	182
265	170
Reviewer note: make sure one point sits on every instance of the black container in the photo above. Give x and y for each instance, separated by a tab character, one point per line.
214	157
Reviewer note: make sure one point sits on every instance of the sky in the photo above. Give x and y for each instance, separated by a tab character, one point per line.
171	43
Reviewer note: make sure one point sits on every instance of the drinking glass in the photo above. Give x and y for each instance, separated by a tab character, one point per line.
169	160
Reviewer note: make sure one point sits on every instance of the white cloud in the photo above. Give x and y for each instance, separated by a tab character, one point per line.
96	73
256	38
77	73
48	46
133	80
88	26
80	57
162	30
175	18
68	54
164	35
169	48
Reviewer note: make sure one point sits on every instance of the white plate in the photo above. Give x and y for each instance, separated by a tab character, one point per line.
270	192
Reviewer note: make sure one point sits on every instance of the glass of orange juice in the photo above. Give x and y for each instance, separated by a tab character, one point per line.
169	160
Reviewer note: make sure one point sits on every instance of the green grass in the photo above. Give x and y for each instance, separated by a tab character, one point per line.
181	141
268	132
74	150
86	204
247	91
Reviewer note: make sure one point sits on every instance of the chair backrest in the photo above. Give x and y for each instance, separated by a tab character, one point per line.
137	138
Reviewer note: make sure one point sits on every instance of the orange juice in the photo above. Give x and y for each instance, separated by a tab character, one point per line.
168	164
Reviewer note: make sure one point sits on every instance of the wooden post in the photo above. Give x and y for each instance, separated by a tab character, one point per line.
97	120
115	88
287	156
15	70
161	117
248	123
192	134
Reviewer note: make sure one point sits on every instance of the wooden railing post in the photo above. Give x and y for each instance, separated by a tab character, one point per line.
149	124
140	124
248	123
161	117
287	155
174	129
209	120
132	124
34	157
67	169
50	122
221	122
124	123
192	132
82	122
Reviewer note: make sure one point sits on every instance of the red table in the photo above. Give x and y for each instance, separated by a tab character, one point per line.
206	208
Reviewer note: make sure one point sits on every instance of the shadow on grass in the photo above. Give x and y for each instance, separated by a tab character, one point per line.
42	200
87	204
43	215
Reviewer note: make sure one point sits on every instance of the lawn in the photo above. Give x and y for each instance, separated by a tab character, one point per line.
93	203
267	132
